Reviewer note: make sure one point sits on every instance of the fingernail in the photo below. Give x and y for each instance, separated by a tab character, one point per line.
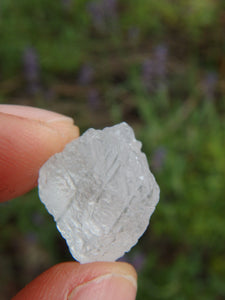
34	113
106	287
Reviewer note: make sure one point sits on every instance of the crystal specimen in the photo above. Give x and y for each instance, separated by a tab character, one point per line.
101	193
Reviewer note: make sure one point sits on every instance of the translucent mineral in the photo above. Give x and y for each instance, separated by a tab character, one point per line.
100	192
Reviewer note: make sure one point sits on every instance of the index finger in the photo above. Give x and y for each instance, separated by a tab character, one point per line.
28	137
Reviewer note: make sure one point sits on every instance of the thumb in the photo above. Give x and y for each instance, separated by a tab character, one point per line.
28	137
73	281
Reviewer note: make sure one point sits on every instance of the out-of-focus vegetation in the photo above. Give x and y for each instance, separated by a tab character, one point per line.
160	66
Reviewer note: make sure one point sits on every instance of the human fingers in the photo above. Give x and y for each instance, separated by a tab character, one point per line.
28	137
74	281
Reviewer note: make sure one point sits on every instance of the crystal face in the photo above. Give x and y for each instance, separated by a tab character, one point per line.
101	193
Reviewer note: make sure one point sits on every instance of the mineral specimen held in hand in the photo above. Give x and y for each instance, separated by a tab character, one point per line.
101	193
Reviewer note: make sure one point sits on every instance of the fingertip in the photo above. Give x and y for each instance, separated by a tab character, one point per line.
73	280
67	130
34	113
26	144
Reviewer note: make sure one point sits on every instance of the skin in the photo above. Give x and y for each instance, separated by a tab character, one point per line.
28	137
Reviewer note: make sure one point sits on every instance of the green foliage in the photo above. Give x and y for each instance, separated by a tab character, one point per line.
45	26
61	36
29	216
190	216
178	115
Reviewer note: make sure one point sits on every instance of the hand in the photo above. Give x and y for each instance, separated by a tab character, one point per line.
29	136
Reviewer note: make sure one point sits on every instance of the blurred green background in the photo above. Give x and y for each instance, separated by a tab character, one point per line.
158	65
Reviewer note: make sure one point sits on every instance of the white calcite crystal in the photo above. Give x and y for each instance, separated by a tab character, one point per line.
101	193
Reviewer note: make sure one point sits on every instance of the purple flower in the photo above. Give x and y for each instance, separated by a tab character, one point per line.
154	69
102	13
97	15
138	261
109	7
160	57
208	85
93	99
158	159
148	74
86	75
31	69
124	258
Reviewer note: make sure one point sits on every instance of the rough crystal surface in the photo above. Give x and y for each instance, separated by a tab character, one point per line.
101	193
